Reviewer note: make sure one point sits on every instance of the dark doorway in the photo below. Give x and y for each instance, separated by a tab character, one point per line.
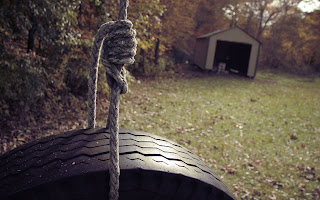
235	55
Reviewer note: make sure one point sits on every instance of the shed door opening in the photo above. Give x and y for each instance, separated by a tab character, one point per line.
235	55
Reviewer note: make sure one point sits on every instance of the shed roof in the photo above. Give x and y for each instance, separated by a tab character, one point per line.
221	31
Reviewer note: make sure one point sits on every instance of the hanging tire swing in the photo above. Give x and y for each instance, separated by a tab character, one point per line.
86	164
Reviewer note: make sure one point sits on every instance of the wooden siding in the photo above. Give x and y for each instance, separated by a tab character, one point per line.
201	52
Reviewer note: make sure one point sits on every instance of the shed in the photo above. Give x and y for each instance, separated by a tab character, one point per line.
233	48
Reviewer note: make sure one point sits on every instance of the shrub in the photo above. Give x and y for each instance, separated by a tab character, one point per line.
22	80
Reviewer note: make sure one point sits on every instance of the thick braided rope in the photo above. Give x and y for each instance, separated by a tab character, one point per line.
116	44
93	76
123	9
113	60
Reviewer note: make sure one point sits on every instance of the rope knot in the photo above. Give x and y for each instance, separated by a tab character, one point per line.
115	45
119	48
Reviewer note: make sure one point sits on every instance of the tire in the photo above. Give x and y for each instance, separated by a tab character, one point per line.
74	165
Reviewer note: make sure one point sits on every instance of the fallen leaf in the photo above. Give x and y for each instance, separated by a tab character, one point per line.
253	100
231	170
273	197
310	177
293	137
21	139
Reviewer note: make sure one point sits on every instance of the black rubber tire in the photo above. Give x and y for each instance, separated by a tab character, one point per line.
74	165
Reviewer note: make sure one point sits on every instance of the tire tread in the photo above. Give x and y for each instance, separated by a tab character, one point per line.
53	159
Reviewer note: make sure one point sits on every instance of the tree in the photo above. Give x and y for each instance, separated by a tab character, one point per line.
209	17
256	15
146	16
179	22
35	35
292	43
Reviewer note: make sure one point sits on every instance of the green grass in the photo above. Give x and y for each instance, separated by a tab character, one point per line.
261	136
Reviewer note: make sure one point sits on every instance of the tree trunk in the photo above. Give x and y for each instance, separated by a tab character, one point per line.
80	15
156	51
143	61
248	23
39	45
31	36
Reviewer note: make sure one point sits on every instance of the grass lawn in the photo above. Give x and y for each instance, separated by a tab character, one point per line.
261	136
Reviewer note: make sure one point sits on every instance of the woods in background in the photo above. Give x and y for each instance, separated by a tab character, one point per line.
45	45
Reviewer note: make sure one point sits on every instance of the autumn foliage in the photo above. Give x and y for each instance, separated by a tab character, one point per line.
45	45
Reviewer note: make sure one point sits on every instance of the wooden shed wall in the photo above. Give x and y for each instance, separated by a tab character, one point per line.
200	55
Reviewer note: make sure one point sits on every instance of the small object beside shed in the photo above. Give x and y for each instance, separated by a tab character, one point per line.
233	48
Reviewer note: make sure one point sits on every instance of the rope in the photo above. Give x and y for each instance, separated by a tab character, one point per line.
115	44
